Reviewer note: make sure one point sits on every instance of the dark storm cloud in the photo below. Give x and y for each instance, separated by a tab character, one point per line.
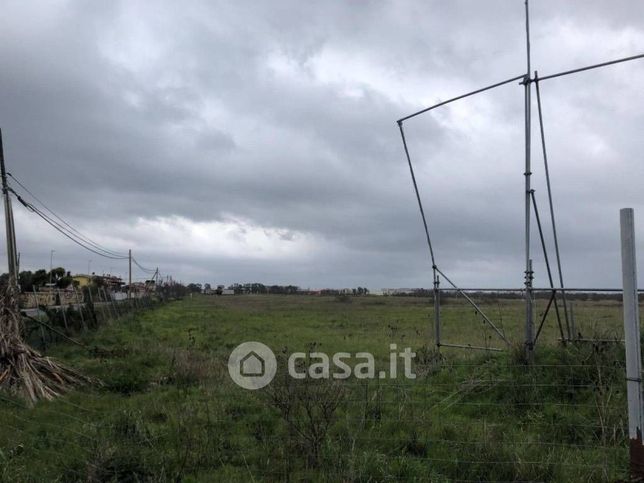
256	141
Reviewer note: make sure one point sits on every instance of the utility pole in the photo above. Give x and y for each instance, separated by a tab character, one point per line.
129	285
12	256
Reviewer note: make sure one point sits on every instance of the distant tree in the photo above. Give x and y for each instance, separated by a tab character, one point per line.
40	278
194	287
25	280
29	280
57	273
64	281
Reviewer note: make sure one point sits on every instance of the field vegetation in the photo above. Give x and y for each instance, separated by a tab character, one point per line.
167	410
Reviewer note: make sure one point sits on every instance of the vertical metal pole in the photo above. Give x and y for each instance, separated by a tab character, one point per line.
79	305
96	305
62	309
109	302
573	327
632	342
129	285
12	256
529	323
43	338
51	264
437	313
529	326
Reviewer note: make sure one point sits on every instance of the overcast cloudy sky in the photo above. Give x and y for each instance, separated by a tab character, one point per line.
256	141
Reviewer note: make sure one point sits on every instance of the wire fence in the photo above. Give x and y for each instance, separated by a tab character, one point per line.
586	317
51	316
168	410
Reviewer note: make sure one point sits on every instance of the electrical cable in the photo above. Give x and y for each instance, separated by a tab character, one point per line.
77	233
60	229
148	270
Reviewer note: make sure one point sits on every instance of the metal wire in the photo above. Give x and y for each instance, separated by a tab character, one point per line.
60	229
71	228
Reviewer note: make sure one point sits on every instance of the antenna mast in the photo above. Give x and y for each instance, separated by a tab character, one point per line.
529	316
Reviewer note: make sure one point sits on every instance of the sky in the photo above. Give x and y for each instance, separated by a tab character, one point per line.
257	141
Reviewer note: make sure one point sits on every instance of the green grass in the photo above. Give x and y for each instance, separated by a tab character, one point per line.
168	411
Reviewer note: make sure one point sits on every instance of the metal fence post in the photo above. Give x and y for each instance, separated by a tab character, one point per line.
632	342
62	309
80	304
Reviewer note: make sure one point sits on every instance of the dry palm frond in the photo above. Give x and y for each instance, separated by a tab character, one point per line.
24	371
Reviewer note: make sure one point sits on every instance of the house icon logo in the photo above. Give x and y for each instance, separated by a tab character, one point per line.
252	365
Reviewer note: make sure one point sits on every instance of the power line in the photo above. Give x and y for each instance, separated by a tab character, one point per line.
76	232
149	270
61	229
72	233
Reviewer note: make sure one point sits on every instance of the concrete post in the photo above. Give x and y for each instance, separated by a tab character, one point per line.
632	343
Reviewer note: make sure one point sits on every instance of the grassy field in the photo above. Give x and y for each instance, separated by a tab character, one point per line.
167	409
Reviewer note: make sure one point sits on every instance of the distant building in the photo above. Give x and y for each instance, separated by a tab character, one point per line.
82	280
399	291
112	281
228	291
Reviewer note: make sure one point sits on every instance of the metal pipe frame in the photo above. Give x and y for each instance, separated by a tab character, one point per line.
463	96
530	202
545	257
540	289
478	309
551	205
468	346
594	66
529	322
